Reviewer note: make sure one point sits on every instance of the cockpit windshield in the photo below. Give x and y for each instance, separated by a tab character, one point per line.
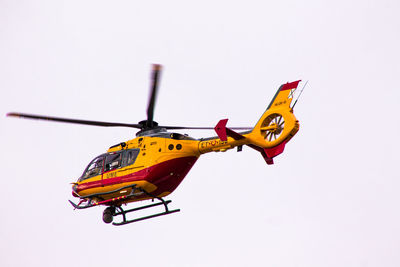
94	168
110	161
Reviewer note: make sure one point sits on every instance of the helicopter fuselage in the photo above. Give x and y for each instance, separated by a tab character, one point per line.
161	161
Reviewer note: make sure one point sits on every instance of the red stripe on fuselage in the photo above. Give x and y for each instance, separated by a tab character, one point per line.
166	176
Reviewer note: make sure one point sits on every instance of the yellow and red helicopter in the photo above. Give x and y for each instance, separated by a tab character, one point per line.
152	165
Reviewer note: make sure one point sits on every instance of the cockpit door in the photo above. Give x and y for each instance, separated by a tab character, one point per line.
112	163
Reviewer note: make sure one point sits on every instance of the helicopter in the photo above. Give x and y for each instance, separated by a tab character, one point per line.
153	164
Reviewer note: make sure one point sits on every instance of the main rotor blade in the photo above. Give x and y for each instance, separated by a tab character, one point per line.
66	120
155	75
201	128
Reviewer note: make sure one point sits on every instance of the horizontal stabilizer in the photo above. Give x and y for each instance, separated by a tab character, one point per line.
224	132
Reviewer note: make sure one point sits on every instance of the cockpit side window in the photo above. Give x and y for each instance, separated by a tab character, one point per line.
113	161
94	168
130	156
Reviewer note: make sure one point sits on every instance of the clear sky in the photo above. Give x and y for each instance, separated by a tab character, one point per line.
332	198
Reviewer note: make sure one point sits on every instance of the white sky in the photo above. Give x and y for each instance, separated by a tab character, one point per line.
332	199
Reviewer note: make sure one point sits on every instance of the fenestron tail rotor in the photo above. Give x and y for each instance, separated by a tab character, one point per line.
273	126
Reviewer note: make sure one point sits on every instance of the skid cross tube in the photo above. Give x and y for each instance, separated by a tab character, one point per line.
162	202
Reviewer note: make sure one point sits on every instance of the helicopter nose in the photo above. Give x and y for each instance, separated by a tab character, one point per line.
74	188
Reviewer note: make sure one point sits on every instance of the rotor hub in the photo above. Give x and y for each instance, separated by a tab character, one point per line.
146	124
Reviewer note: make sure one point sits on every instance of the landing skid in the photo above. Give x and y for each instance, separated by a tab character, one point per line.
116	210
124	212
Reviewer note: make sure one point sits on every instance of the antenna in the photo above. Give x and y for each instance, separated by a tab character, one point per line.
299	94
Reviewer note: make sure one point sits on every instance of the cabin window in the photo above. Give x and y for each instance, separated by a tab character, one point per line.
130	156
94	168
113	161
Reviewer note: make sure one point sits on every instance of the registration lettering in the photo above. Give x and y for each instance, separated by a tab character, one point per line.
111	175
212	143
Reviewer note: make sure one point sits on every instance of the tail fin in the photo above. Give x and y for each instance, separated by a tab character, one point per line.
277	125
